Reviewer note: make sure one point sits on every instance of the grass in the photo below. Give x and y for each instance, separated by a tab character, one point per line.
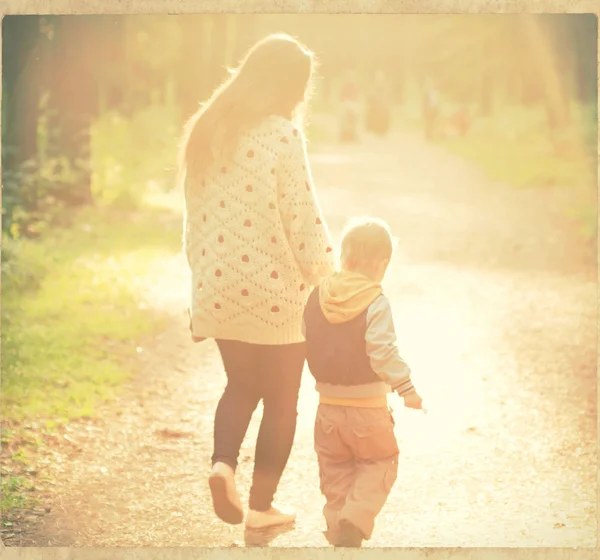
71	305
527	163
15	495
532	164
514	146
72	314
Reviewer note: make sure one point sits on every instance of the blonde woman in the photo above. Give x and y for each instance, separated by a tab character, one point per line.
256	242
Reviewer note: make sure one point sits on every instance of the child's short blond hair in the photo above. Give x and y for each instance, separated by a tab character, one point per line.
365	242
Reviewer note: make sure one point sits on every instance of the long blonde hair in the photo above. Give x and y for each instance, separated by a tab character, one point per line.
274	78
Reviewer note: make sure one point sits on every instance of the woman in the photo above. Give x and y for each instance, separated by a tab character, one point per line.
379	105
430	108
350	108
256	242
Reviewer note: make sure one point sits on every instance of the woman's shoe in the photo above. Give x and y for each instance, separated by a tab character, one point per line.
226	501
270	518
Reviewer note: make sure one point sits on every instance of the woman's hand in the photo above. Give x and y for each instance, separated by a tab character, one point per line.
306	228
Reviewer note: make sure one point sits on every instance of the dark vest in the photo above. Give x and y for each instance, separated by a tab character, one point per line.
336	353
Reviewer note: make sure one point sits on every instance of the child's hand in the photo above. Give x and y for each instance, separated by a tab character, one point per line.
413	400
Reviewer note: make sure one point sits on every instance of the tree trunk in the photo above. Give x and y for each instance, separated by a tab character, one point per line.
110	57
73	102
557	105
486	104
191	69
218	51
231	34
21	89
584	31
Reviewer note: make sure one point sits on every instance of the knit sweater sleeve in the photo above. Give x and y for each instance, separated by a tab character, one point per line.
301	214
382	349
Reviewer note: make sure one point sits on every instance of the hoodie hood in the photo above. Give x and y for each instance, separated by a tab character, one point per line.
345	295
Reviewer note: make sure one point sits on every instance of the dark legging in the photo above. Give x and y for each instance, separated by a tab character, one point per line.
254	372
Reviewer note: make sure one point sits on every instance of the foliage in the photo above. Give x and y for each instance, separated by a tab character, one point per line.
29	200
153	41
129	153
151	70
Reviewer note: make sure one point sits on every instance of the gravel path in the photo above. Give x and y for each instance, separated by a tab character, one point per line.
495	304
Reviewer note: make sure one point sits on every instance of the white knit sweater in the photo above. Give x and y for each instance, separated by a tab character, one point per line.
256	240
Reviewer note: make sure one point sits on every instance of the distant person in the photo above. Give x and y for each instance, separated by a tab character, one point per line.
352	354
349	108
461	120
379	105
430	108
256	241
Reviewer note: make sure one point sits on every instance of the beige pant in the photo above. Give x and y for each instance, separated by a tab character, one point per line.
358	464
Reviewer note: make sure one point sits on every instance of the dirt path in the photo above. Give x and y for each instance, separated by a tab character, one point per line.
496	311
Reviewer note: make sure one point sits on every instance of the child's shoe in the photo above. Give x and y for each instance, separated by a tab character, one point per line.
226	501
349	535
270	518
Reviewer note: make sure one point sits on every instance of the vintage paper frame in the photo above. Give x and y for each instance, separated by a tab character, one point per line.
303	7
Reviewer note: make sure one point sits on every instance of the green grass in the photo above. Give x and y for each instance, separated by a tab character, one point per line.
524	165
72	309
72	317
71	312
16	495
514	147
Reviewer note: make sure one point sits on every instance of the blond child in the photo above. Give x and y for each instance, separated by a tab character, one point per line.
352	354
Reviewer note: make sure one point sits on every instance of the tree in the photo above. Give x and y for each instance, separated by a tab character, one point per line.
73	101
193	62
21	89
584	39
20	109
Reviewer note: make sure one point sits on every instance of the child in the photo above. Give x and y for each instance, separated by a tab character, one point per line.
352	354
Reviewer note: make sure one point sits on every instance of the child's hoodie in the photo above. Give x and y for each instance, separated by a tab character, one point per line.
348	321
